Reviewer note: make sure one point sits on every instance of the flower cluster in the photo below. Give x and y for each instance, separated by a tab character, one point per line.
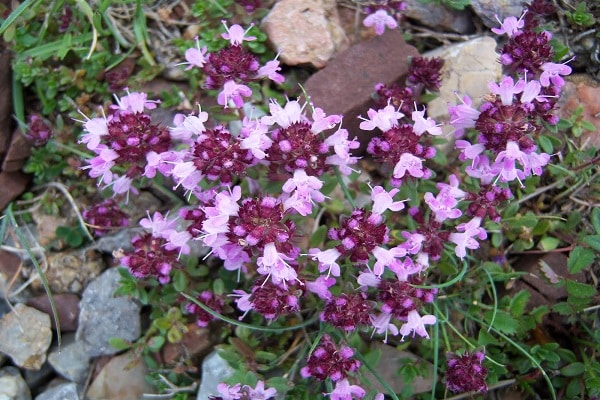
510	120
104	216
330	361
465	372
39	131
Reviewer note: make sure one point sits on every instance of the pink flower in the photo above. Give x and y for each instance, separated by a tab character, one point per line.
274	264
136	102
195	56
159	225
442	206
463	116
416	324
381	19
386	258
345	391
270	70
341	144
322	122
382	325
283	116
321	286
506	89
423	125
510	26
466	239
506	162
384	119
255	139
190	126
552	73
383	200
234	93
236	34
410	164
96	128
327	260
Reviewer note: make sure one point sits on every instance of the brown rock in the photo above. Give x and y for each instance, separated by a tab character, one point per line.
305	31
345	86
67	307
12	184
18	152
9	265
121	378
582	90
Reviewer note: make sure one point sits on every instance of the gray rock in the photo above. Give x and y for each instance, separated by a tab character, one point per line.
103	316
438	16
25	336
467	69
214	371
65	391
37	378
12	385
121	239
305	31
72	362
488	9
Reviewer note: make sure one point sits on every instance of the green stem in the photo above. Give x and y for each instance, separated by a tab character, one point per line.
249	326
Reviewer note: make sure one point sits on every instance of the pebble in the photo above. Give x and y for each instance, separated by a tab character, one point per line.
305	31
103	316
64	391
488	9
25	336
347	84
12	385
214	371
72	362
121	378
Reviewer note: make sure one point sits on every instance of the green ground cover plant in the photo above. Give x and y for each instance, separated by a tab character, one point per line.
295	260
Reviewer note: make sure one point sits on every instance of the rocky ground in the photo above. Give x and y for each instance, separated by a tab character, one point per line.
322	41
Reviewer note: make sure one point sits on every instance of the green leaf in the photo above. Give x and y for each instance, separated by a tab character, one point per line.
119	343
574	369
577	289
595	219
548	243
503	321
156	343
564	124
180	280
318	237
485	338
546	144
593	241
518	303
580	258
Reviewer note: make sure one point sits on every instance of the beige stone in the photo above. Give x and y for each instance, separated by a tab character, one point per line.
305	31
468	68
